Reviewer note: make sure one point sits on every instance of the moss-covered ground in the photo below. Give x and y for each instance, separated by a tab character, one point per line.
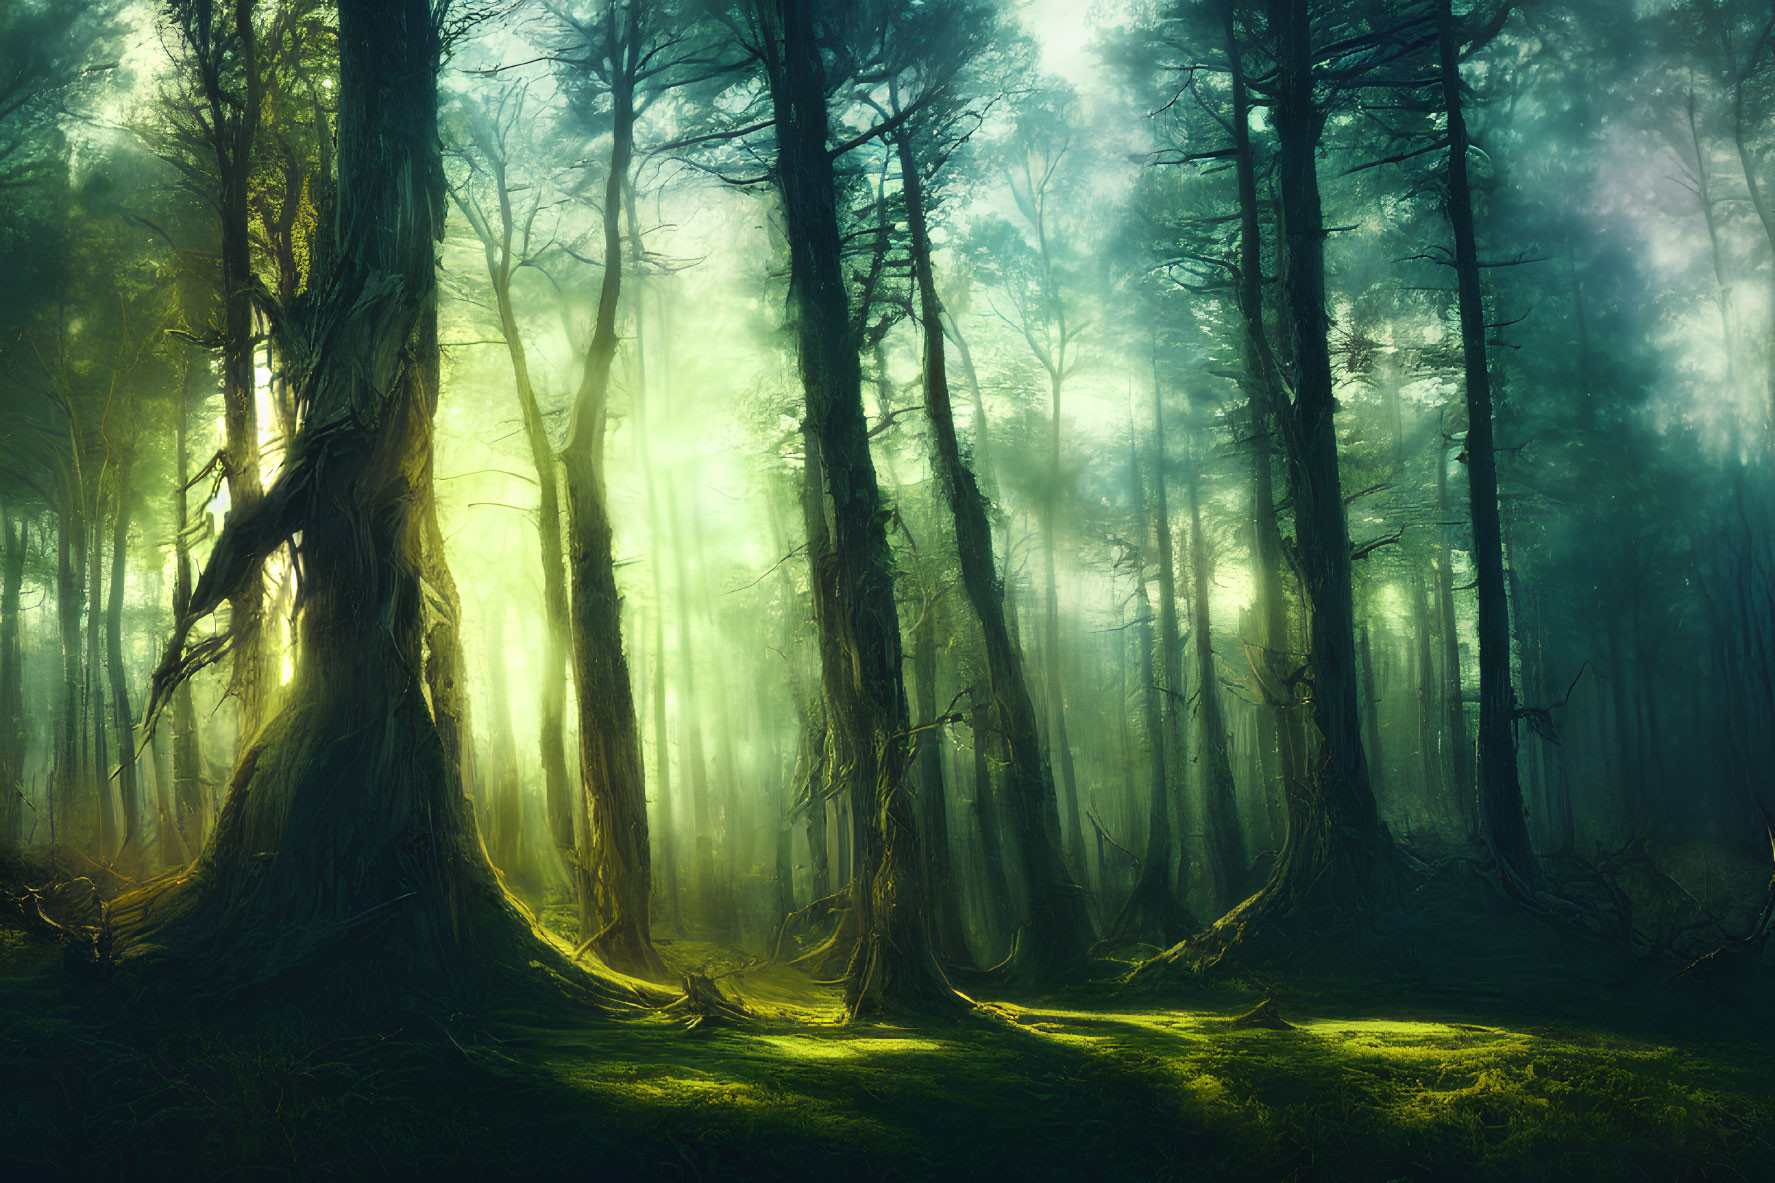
109	1078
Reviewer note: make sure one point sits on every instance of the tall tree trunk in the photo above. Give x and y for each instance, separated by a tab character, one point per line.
612	775
1273	665
1338	854
131	853
235	120
1349	841
69	557
12	697
558	798
1173	688
1460	745
106	836
942	890
1153	908
894	964
1500	792
188	809
1220	811
374	859
1057	927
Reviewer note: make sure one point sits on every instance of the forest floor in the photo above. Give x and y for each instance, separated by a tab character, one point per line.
1622	1079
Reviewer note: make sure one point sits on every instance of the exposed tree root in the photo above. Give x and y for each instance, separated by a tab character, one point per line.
704	1005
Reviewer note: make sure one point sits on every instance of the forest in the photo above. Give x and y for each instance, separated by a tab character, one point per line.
753	589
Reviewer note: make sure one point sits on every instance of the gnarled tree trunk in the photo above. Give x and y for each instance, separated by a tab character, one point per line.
346	836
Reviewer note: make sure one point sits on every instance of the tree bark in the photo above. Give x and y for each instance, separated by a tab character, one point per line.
189	814
1500	791
12	696
1338	854
1273	667
1153	908
1057	928
130	853
346	840
894	965
1220	811
612	774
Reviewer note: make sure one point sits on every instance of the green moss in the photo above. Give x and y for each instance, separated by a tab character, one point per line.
109	1080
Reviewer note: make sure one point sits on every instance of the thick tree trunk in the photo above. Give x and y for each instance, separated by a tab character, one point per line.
1273	666
942	890
1057	928
346	842
1500	792
894	964
1349	841
1338	854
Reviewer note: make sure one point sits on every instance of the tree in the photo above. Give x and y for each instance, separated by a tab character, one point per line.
894	964
349	783
1500	793
1057	928
217	119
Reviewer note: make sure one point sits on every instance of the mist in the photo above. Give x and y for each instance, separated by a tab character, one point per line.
1016	520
